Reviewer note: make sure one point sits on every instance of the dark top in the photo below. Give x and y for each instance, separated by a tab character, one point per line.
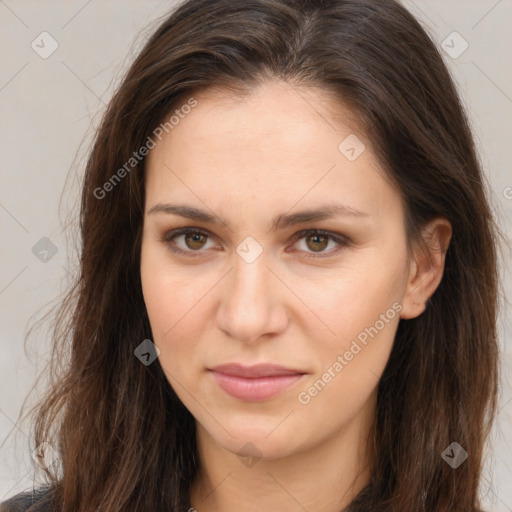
22	501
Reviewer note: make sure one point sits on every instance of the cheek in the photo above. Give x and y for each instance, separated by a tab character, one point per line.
363	329
173	333
348	370
176	304
362	310
168	293
347	302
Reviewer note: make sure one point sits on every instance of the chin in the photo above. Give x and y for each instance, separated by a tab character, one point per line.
253	447
250	436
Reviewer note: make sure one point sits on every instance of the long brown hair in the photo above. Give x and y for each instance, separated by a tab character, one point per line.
125	440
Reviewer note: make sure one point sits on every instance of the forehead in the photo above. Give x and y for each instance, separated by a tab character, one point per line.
272	107
278	143
281	124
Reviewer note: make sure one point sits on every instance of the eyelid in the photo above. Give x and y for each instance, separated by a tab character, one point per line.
342	241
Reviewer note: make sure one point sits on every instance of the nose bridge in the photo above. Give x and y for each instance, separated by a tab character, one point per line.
250	278
250	274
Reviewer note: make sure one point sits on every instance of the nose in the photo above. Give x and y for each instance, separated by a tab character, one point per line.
253	302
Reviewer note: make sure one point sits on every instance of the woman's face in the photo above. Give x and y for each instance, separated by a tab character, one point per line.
251	288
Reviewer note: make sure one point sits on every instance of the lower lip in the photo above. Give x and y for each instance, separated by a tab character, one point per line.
255	389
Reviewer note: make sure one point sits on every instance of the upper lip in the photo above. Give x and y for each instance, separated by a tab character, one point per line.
258	370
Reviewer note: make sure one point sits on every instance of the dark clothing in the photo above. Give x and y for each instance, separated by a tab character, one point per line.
22	501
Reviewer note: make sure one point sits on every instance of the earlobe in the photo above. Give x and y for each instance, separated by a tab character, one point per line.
427	267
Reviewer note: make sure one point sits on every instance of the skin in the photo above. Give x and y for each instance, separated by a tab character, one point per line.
247	160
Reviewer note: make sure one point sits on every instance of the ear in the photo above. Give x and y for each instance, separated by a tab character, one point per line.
427	267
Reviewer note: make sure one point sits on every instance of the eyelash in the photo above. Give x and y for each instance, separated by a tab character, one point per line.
168	237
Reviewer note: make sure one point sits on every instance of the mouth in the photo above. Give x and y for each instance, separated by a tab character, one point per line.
255	383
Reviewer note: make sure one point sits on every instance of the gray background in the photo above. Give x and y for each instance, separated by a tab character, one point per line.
49	109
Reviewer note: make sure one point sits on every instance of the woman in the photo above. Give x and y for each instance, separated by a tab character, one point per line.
288	284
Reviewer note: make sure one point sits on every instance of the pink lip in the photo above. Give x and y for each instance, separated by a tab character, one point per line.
255	383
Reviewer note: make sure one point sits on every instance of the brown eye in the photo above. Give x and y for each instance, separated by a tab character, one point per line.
191	241
195	240
317	242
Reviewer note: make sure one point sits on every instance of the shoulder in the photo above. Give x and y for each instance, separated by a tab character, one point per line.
22	501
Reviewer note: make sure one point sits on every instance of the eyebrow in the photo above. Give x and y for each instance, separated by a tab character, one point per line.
280	221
